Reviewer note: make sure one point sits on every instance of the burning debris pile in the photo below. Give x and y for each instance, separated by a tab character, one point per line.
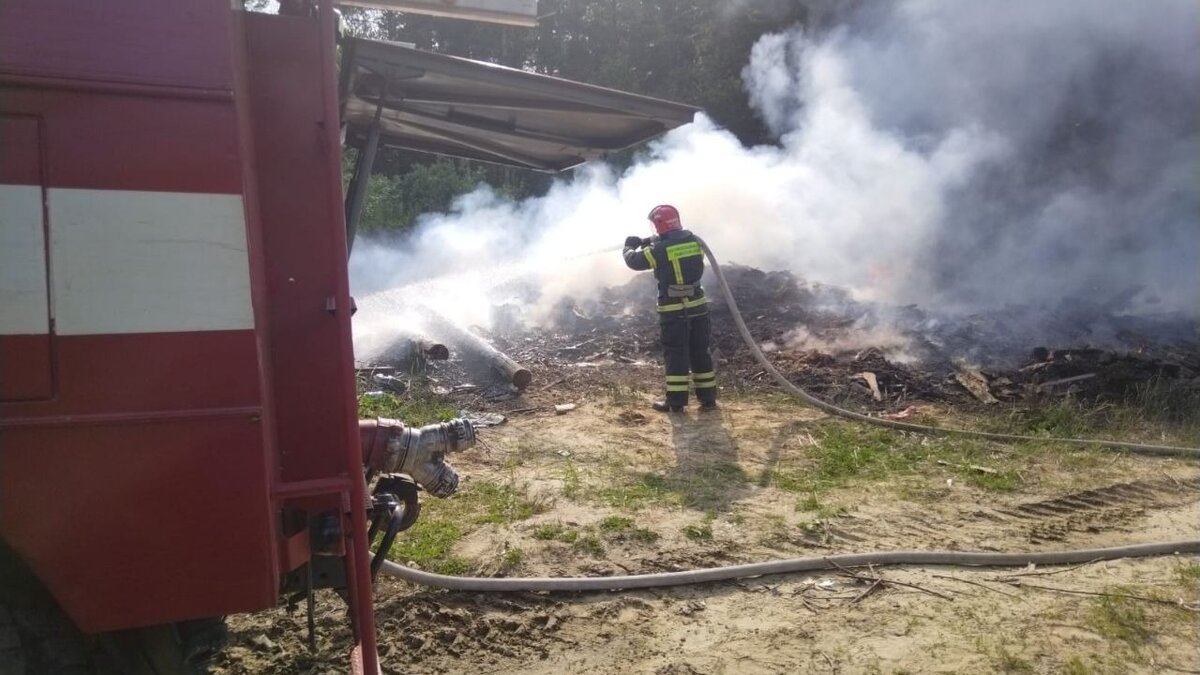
851	353
1094	373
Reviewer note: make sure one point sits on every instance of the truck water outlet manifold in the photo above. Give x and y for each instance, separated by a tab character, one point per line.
390	446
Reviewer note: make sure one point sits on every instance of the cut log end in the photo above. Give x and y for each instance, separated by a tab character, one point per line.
521	378
437	352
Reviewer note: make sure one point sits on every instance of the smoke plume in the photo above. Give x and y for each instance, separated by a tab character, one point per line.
949	154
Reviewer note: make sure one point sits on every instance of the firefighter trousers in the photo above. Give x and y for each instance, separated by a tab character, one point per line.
685	350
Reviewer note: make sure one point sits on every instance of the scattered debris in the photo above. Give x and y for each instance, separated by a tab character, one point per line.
818	334
877	579
483	420
630	418
973	381
552	384
873	383
1066	380
522	411
903	414
971	467
974	583
563	408
390	383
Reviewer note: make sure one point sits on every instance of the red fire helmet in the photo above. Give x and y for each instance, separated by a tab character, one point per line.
665	218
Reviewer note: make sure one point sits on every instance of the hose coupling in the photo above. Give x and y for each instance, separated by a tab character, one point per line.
390	446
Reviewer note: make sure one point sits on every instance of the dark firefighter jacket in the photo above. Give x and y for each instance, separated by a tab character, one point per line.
678	264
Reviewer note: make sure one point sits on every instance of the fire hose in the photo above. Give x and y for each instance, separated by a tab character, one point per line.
708	575
844	560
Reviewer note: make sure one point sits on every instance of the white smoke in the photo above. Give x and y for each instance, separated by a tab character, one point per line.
936	152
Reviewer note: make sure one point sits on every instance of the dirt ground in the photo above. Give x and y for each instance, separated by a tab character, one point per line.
612	488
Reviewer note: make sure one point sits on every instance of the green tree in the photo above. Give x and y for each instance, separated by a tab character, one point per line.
685	50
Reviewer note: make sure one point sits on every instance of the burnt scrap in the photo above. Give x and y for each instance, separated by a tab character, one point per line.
860	354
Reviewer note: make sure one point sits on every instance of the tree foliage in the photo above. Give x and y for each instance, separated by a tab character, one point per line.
691	51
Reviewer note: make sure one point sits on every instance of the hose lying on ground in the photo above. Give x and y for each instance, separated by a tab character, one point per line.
826	562
1137	448
957	558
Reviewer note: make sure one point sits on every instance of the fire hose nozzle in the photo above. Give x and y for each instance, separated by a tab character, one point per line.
390	446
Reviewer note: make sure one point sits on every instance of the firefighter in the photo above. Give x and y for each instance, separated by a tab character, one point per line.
675	256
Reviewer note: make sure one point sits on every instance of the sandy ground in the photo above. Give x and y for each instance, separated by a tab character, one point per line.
708	486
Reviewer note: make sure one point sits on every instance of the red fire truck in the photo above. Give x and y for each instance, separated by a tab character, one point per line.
179	438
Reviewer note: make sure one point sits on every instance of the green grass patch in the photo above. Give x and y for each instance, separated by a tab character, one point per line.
1076	666
511	559
1151	409
1188	574
844	453
589	544
572	483
444	522
1172	403
813	528
848	453
620	527
698	532
1004	481
615	524
1063	418
1118	617
502	504
555	533
706	487
809	503
414	408
812	504
643	535
428	544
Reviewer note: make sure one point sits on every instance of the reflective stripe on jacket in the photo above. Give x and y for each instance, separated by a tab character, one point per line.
678	264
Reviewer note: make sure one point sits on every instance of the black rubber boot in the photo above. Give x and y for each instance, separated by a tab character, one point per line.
663	406
709	405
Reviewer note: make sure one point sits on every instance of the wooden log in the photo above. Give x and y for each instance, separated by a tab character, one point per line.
468	340
434	351
413	349
1066	380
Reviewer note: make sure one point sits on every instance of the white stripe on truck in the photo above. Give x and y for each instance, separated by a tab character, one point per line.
24	305
148	262
122	262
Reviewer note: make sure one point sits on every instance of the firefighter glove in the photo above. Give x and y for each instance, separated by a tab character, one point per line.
633	242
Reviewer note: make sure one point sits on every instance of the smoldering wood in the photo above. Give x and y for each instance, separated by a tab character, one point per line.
473	343
413	350
434	351
973	381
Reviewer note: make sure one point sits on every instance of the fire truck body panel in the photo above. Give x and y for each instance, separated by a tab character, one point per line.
178	422
163	294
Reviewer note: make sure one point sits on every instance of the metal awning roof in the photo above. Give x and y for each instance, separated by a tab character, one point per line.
511	12
475	110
